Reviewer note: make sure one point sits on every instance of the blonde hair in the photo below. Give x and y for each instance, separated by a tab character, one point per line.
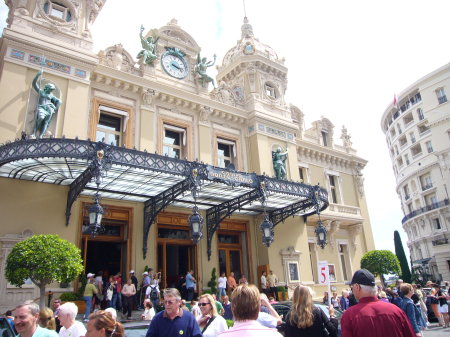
212	301
104	320
405	288
46	319
301	314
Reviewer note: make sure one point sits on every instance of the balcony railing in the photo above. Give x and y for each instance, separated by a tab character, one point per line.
440	242
425	209
427	186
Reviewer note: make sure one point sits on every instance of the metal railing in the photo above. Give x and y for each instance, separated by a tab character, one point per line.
439	242
425	209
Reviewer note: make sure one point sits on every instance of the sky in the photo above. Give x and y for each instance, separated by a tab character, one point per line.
346	59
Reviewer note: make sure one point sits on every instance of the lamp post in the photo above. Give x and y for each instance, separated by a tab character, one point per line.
321	231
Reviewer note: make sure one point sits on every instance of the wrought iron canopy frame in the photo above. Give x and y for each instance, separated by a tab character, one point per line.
157	181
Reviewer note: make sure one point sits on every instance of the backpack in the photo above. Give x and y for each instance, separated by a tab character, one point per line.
153	293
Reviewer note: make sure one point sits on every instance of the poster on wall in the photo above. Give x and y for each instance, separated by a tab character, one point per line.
332	272
293	272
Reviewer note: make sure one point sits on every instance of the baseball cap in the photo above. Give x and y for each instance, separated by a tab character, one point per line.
90	275
145	273
132	271
363	277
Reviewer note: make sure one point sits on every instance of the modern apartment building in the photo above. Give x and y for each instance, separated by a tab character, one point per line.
417	130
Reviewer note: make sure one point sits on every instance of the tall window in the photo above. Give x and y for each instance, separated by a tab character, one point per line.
412	137
333	189
226	152
303	172
440	93
406	192
109	128
426	181
437	223
313	260
429	146
324	138
174	141
420	114
343	253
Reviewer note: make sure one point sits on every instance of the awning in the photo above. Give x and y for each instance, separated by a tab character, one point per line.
157	181
422	261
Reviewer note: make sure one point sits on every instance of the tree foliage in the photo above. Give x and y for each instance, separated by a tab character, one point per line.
380	262
400	252
43	259
213	283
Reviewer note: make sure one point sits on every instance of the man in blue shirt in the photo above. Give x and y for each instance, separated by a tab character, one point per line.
173	321
190	284
26	318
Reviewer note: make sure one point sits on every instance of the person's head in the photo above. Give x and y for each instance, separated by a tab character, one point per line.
335	294
148	305
46	319
67	314
112	312
344	293
264	273
49	87
271	272
172	301
399	282
101	324
131	273
8	313
383	294
225	299
129	281
222	274
56	303
145	301
232	274
302	307
363	284
26	316
204	59
245	302
90	276
207	305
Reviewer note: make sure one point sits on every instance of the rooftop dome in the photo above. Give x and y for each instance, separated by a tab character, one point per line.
249	45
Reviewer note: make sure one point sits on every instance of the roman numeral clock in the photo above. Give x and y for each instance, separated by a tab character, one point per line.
173	61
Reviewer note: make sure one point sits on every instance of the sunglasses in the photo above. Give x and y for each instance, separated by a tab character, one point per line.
169	302
203	304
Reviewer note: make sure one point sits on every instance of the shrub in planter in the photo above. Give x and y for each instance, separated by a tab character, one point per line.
69	297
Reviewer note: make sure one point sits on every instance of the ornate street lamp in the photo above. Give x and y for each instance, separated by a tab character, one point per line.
321	231
96	210
195	219
266	228
196	224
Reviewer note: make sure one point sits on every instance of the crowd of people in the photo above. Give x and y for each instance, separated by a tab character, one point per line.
243	310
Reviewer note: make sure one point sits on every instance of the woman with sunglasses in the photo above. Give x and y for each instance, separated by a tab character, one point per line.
210	322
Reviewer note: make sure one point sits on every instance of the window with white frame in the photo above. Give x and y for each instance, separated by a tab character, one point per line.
174	141
429	146
426	182
57	10
226	152
412	136
270	90
345	263
314	261
437	223
110	128
333	182
303	172
420	114
406	159
440	94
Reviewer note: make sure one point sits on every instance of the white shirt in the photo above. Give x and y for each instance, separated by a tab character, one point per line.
263	282
222	282
77	329
217	326
148	314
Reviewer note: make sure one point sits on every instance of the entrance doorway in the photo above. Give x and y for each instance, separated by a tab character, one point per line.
174	261
230	260
109	251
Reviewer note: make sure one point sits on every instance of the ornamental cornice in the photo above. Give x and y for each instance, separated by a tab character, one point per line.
329	158
254	63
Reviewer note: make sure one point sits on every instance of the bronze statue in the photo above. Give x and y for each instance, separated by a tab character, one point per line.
48	104
279	165
200	69
148	53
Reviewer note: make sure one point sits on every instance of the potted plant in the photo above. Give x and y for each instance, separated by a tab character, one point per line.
76	297
282	294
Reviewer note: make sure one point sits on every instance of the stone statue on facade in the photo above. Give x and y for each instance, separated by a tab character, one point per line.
47	105
148	52
346	138
200	69
279	163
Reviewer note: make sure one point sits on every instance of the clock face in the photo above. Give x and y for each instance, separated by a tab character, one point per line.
175	65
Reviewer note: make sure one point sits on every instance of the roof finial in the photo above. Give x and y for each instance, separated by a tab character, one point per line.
245	12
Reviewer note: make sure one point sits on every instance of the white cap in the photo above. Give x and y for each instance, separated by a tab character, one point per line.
145	273
131	271
90	275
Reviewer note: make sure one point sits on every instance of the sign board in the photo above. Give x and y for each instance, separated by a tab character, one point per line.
324	272
231	177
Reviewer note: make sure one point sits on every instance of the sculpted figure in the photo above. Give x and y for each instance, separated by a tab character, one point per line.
148	53
279	165
200	69
48	104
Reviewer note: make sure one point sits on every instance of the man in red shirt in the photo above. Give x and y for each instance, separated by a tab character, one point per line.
371	317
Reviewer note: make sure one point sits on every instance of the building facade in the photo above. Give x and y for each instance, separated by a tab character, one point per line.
417	133
163	107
